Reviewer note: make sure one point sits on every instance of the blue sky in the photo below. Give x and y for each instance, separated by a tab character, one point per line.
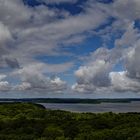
69	48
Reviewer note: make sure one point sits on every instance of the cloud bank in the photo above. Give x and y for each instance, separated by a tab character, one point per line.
28	32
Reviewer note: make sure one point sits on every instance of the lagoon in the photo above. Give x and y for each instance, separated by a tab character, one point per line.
133	106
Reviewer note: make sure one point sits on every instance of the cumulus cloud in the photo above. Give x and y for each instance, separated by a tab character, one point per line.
59	68
12	62
129	38
126	50
100	74
122	9
32	78
121	82
40	31
96	73
23	86
2	77
128	80
5	34
132	62
27	32
4	85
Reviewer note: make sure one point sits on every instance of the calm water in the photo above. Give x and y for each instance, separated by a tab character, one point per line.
96	108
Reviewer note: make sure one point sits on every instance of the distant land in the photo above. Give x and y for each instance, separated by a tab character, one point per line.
71	100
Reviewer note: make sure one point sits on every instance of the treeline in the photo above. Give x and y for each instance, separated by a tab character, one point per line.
70	100
26	121
84	101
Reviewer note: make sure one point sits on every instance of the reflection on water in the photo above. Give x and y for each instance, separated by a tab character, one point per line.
96	108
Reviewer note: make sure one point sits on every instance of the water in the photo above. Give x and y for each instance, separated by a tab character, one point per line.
96	108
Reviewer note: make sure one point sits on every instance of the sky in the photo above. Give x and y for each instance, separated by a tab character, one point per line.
69	48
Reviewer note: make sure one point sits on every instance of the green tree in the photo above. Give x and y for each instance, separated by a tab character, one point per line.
52	132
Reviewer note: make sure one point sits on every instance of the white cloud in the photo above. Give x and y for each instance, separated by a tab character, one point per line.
132	61
23	86
59	68
95	74
2	77
33	78
100	75
121	82
98	72
40	31
129	38
122	8
83	88
4	85
126	50
5	34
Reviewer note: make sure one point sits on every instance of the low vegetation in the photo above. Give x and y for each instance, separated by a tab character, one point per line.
26	121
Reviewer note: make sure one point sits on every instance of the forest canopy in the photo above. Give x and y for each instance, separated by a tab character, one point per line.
27	121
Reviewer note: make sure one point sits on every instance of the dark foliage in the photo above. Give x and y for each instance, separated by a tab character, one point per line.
26	121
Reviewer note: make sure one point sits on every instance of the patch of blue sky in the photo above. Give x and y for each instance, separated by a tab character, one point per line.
69	75
32	2
5	69
105	1
65	76
119	67
13	80
108	22
81	51
54	59
73	8
73	51
110	43
137	24
88	45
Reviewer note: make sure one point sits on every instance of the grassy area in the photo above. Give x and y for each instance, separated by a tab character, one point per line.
27	121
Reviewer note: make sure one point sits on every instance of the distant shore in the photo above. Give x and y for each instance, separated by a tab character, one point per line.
71	100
